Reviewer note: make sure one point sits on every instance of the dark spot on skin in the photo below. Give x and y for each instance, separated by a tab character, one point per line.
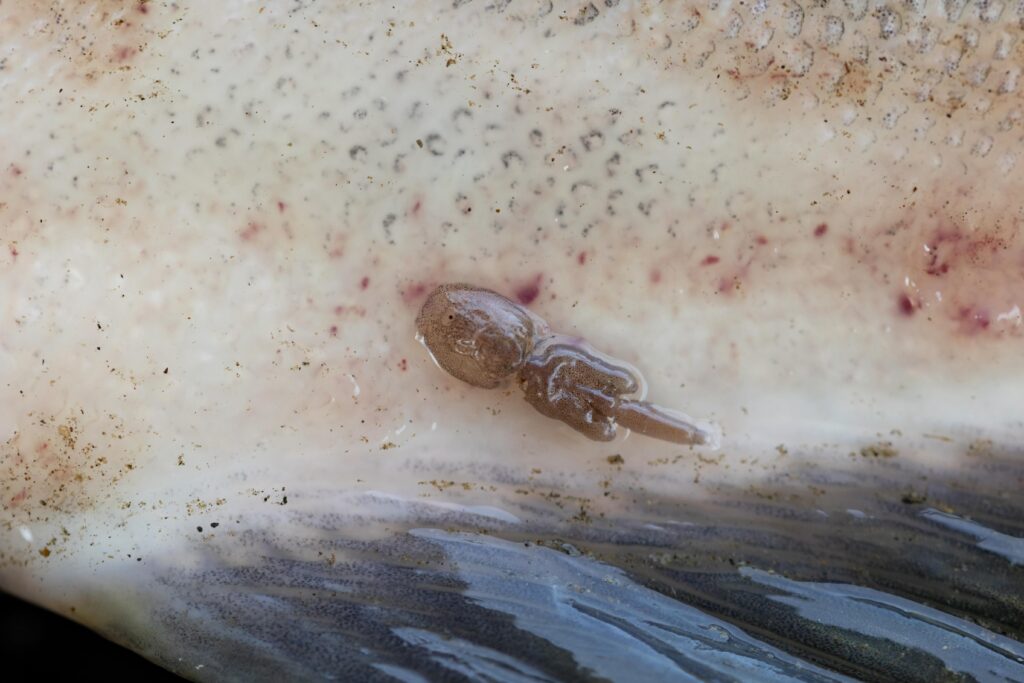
655	276
364	283
581	258
913	498
14	251
166	370
15	170
906	306
761	240
416	207
403	365
820	230
281	206
710	260
334	330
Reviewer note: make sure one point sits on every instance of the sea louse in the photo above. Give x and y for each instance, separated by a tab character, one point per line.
487	340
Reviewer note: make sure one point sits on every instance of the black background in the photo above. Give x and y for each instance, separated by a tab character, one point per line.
45	645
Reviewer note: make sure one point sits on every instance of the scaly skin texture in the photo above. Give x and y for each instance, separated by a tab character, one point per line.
219	221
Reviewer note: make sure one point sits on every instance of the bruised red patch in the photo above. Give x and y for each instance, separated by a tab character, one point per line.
403	365
581	258
14	251
124	52
334	330
251	230
346	310
364	283
905	305
761	240
19	497
655	276
281	206
973	320
820	230
710	260
15	170
414	292
528	293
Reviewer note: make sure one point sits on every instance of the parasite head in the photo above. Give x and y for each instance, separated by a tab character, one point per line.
475	334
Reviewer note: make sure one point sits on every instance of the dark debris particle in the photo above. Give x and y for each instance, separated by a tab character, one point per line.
615	459
214	525
913	498
586	14
882	449
199	529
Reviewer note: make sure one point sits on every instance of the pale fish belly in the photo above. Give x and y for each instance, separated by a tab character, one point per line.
221	445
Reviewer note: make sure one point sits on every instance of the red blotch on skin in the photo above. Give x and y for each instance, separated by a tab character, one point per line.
14	251
710	260
251	230
15	170
820	230
281	206
417	205
727	285
143	7
527	294
364	283
761	240
403	365
581	258
124	53
906	306
19	497
655	276
973	320
414	292
334	330
357	310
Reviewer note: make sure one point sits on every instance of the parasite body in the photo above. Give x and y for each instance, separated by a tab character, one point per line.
477	335
486	340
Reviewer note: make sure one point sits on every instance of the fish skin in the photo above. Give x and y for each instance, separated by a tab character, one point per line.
218	224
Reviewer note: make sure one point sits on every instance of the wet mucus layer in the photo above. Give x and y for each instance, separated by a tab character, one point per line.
880	572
